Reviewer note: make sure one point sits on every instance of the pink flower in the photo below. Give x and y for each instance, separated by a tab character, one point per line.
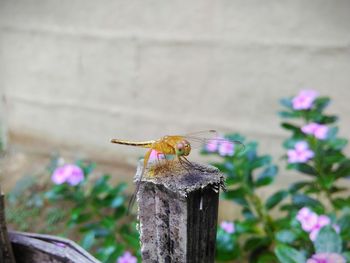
326	258
59	176
322	221
312	223
212	145
318	130
226	148
127	257
300	154
69	173
228	227
304	100
307	219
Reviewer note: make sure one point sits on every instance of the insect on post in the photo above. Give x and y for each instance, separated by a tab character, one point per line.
177	200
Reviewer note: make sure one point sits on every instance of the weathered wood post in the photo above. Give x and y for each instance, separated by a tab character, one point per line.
6	253
178	209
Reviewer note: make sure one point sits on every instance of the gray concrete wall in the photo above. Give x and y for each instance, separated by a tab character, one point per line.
78	72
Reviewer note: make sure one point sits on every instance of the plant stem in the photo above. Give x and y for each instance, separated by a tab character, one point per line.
262	214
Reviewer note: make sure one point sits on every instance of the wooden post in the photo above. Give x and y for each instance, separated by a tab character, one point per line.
6	253
178	209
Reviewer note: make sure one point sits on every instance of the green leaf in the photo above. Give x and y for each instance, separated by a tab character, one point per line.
295	187
275	199
344	169
321	103
237	195
118	189
304	200
286	102
267	257
101	185
344	225
261	161
229	169
267	176
247	213
332	158
119	212
288	114
227	247
328	241
338	143
256	243
88	240
106	253
117	201
290	143
344	222
332	133
246	226
326	181
131	240
303	168
235	137
291	127
286	236
87	167
346	255
326	119
287	254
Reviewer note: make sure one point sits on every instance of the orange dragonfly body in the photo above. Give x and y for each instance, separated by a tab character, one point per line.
167	145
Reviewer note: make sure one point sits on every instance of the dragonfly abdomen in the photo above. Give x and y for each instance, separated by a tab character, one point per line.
146	144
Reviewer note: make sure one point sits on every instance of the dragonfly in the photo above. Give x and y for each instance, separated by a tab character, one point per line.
179	146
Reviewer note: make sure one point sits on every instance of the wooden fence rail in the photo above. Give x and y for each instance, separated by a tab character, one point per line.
18	247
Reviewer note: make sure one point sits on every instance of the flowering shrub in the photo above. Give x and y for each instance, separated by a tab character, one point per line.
97	211
73	205
312	223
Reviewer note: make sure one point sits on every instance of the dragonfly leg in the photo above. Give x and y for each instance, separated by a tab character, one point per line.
189	164
185	164
138	183
187	161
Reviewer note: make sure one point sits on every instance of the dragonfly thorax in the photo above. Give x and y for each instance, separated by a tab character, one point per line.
183	148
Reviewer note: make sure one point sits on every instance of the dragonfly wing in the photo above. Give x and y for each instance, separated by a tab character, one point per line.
203	138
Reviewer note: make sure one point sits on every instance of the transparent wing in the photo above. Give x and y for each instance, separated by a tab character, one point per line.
211	138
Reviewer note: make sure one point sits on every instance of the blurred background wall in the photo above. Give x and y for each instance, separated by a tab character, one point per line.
75	73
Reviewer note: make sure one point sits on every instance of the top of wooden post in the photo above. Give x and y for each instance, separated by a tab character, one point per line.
181	178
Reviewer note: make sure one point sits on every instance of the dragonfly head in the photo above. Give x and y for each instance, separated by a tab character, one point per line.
183	148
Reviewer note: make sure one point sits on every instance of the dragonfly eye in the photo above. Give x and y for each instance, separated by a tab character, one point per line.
187	146
180	148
